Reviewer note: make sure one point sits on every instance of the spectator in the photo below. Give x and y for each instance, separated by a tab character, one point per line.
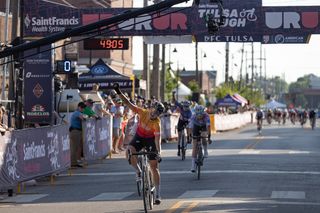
117	111
75	129
88	110
3	127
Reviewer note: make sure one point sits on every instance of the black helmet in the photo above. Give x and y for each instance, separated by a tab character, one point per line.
158	107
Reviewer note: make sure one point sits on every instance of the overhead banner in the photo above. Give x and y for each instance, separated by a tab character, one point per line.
245	21
38	86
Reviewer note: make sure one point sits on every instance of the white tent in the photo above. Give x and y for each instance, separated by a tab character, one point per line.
183	91
274	104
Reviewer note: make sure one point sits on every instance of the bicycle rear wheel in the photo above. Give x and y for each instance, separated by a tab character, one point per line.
151	191
183	147
139	183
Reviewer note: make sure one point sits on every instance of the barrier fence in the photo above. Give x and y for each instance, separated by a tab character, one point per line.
30	153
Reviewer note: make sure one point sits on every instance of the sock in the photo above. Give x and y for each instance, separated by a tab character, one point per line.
158	190
193	161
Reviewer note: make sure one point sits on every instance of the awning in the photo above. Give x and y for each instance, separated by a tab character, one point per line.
227	101
102	74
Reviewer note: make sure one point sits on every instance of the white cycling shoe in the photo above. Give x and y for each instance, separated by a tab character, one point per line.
205	154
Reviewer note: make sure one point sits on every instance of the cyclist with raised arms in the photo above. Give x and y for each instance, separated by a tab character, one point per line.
185	115
199	122
147	136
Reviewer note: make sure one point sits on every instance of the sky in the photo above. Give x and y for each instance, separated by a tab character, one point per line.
289	61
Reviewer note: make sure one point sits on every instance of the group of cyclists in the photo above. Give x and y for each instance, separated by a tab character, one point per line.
282	115
148	133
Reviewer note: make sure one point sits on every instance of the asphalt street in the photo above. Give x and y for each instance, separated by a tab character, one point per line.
278	171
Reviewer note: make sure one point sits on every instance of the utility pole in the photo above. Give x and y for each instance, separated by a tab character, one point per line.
252	65
155	90
260	79
197	62
241	66
163	74
265	71
227	63
146	71
6	38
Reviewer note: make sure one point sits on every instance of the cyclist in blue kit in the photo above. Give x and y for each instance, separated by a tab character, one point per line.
185	116
199	122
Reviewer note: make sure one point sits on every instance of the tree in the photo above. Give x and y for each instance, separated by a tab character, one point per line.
194	86
171	83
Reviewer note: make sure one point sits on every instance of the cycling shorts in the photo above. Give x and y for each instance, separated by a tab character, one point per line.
182	125
196	131
148	143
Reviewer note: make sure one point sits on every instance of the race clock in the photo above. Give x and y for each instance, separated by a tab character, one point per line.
106	44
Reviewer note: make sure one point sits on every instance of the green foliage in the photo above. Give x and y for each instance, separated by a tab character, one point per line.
254	96
194	86
171	84
301	101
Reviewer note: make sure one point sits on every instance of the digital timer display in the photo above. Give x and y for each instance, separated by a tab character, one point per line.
106	44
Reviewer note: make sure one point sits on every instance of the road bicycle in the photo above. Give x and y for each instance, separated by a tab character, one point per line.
259	126
313	123
145	185
200	140
183	143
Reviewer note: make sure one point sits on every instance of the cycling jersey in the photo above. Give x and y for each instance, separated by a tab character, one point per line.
185	115
147	128
204	121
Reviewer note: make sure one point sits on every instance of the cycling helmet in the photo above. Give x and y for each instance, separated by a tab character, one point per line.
186	104
199	110
158	107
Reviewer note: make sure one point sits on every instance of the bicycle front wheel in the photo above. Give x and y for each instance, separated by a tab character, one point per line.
145	186
199	159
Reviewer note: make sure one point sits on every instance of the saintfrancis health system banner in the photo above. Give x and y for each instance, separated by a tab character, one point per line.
245	21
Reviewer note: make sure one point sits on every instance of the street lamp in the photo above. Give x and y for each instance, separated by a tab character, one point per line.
177	74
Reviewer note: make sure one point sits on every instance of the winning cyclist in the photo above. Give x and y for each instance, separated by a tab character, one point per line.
185	115
199	122
147	136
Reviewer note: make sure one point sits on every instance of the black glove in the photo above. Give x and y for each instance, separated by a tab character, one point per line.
116	88
158	158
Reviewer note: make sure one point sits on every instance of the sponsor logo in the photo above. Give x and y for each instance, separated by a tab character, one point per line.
283	39
50	24
233	17
99	70
30	75
174	21
218	38
292	20
38	90
38	110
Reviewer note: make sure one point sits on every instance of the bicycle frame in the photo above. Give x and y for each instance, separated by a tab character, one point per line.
199	151
146	186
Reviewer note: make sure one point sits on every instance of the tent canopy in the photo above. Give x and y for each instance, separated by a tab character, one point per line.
227	101
102	74
274	104
240	98
183	91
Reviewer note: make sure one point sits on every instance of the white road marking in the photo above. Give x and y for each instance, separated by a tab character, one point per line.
204	171
299	152
247	201
198	194
288	195
111	196
249	152
27	198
